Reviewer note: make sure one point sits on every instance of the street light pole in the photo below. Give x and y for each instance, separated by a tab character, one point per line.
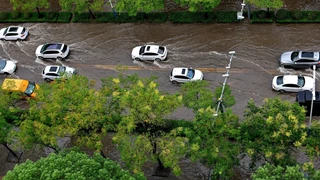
313	96
225	82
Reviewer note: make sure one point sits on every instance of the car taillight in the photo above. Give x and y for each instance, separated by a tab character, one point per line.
22	35
319	62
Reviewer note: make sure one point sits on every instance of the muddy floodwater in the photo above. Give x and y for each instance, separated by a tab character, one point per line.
98	49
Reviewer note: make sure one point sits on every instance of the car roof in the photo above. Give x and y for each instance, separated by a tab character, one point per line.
15	29
53	46
309	55
53	68
151	48
290	79
179	71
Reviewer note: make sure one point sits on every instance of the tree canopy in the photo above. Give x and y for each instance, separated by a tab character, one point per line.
29	5
133	7
199	5
70	165
266	3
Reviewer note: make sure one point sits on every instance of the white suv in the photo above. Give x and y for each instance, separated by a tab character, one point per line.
13	33
50	73
53	50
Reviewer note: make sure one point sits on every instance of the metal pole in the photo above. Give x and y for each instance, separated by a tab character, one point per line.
313	96
224	83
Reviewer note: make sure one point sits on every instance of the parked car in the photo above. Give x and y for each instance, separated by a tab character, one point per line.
7	67
149	52
183	75
13	33
50	73
52	50
24	87
292	83
299	59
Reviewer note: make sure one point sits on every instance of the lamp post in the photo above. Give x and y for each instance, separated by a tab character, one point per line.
225	82
313	96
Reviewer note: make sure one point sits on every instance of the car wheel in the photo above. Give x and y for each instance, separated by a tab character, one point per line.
174	82
158	59
59	58
137	59
2	39
282	90
47	79
40	57
6	73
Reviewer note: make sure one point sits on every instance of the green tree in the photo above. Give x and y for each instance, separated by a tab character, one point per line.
133	7
273	4
212	139
274	131
82	5
66	108
199	5
72	165
141	135
29	5
271	172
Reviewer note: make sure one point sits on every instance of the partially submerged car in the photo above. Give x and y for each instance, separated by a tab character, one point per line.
149	52
183	75
52	50
50	73
13	33
299	59
292	83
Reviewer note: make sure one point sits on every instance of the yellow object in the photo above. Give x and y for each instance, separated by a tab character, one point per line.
20	85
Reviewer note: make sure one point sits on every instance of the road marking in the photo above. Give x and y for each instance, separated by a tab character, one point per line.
140	68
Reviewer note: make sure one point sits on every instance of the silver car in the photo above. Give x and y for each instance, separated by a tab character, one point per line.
13	33
299	59
292	83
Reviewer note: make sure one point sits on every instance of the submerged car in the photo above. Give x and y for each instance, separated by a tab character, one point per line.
13	33
183	75
149	52
50	73
52	50
299	59
7	67
292	83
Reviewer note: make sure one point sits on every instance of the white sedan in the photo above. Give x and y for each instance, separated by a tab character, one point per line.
13	33
7	67
292	83
183	75
149	52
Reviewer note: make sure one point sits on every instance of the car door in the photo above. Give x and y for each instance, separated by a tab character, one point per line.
292	87
50	54
149	56
181	79
304	63
52	76
11	36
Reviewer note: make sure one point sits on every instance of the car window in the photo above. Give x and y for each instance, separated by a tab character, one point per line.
279	80
30	88
305	60
301	81
61	70
5	31
291	85
50	52
294	55
11	34
190	73
52	74
149	54
13	29
181	77
23	30
142	50
64	48
161	50
2	64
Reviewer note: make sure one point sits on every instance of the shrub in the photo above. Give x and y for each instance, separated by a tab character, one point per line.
27	15
262	14
296	15
15	15
281	14
98	14
85	16
64	17
313	15
3	15
157	17
51	15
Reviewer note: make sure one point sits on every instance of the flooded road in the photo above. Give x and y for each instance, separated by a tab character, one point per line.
98	49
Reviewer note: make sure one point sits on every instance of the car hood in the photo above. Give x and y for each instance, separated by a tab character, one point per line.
38	49
135	51
286	57
10	67
308	85
198	75
70	70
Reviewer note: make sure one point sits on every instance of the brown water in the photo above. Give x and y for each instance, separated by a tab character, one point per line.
97	49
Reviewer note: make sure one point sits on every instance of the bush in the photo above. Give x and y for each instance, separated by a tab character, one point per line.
64	17
188	17
3	15
51	15
15	15
281	14
226	16
262	14
296	15
157	17
313	15
27	15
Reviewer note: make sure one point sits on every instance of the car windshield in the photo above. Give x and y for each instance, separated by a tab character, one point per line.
279	80
30	88
142	50
61	70
2	64
294	55
301	81
161	50
190	73
64	48
5	31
